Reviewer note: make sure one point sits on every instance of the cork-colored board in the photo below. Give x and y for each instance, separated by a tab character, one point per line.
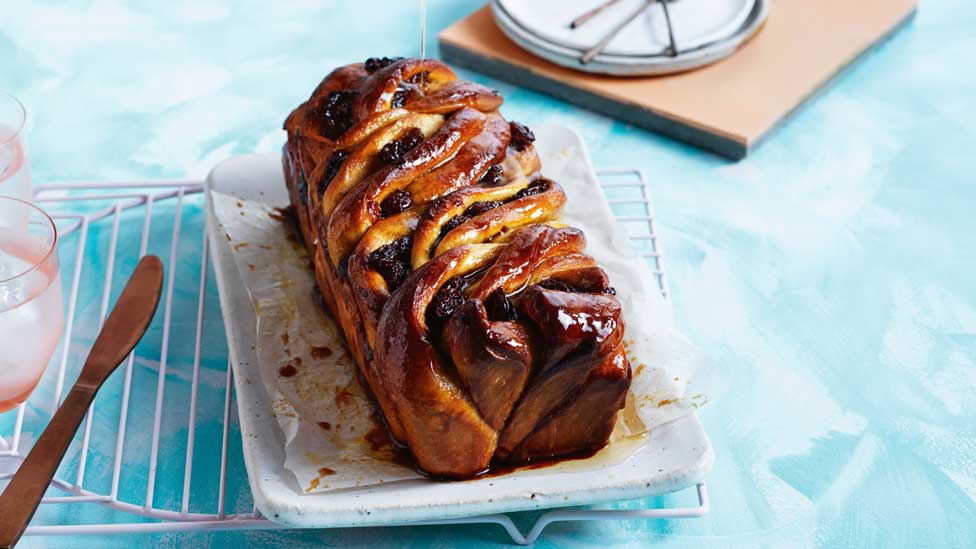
727	107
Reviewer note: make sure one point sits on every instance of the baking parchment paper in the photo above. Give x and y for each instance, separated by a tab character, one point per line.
333	438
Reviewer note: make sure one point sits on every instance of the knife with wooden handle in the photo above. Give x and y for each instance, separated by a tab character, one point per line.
122	330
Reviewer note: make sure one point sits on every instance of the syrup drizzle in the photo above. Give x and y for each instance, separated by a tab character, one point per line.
423	40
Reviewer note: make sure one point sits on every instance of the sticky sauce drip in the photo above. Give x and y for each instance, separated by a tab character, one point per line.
423	40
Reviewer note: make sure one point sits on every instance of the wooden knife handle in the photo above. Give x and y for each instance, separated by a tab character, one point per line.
24	493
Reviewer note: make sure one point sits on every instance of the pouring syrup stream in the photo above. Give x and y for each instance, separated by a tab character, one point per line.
423	39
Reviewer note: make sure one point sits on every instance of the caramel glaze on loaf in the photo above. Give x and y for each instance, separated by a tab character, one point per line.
481	328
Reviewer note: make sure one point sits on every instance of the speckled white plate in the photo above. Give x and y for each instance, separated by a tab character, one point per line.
711	44
695	23
676	455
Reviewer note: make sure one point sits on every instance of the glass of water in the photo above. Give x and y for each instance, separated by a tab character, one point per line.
31	314
14	167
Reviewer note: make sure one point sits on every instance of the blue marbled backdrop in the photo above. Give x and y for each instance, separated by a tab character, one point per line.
830	276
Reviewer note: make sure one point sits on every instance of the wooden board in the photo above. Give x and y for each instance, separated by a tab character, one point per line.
727	107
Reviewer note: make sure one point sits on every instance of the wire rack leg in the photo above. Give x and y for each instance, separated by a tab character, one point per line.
602	515
574	515
500	519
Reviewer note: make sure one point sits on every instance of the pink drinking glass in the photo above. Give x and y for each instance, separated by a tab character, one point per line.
31	313
14	166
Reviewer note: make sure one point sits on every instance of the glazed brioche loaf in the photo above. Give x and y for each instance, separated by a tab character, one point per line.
481	328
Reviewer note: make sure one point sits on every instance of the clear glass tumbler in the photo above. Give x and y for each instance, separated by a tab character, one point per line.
14	167
31	313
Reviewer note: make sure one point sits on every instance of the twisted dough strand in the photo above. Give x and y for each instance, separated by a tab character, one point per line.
475	318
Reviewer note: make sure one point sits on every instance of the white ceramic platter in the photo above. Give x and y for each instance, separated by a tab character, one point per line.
677	455
695	23
654	63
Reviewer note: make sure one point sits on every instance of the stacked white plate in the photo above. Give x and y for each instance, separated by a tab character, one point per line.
704	32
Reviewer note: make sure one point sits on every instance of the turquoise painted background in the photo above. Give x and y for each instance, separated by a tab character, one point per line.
829	277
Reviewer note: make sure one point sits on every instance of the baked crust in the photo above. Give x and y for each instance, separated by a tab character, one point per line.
481	328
